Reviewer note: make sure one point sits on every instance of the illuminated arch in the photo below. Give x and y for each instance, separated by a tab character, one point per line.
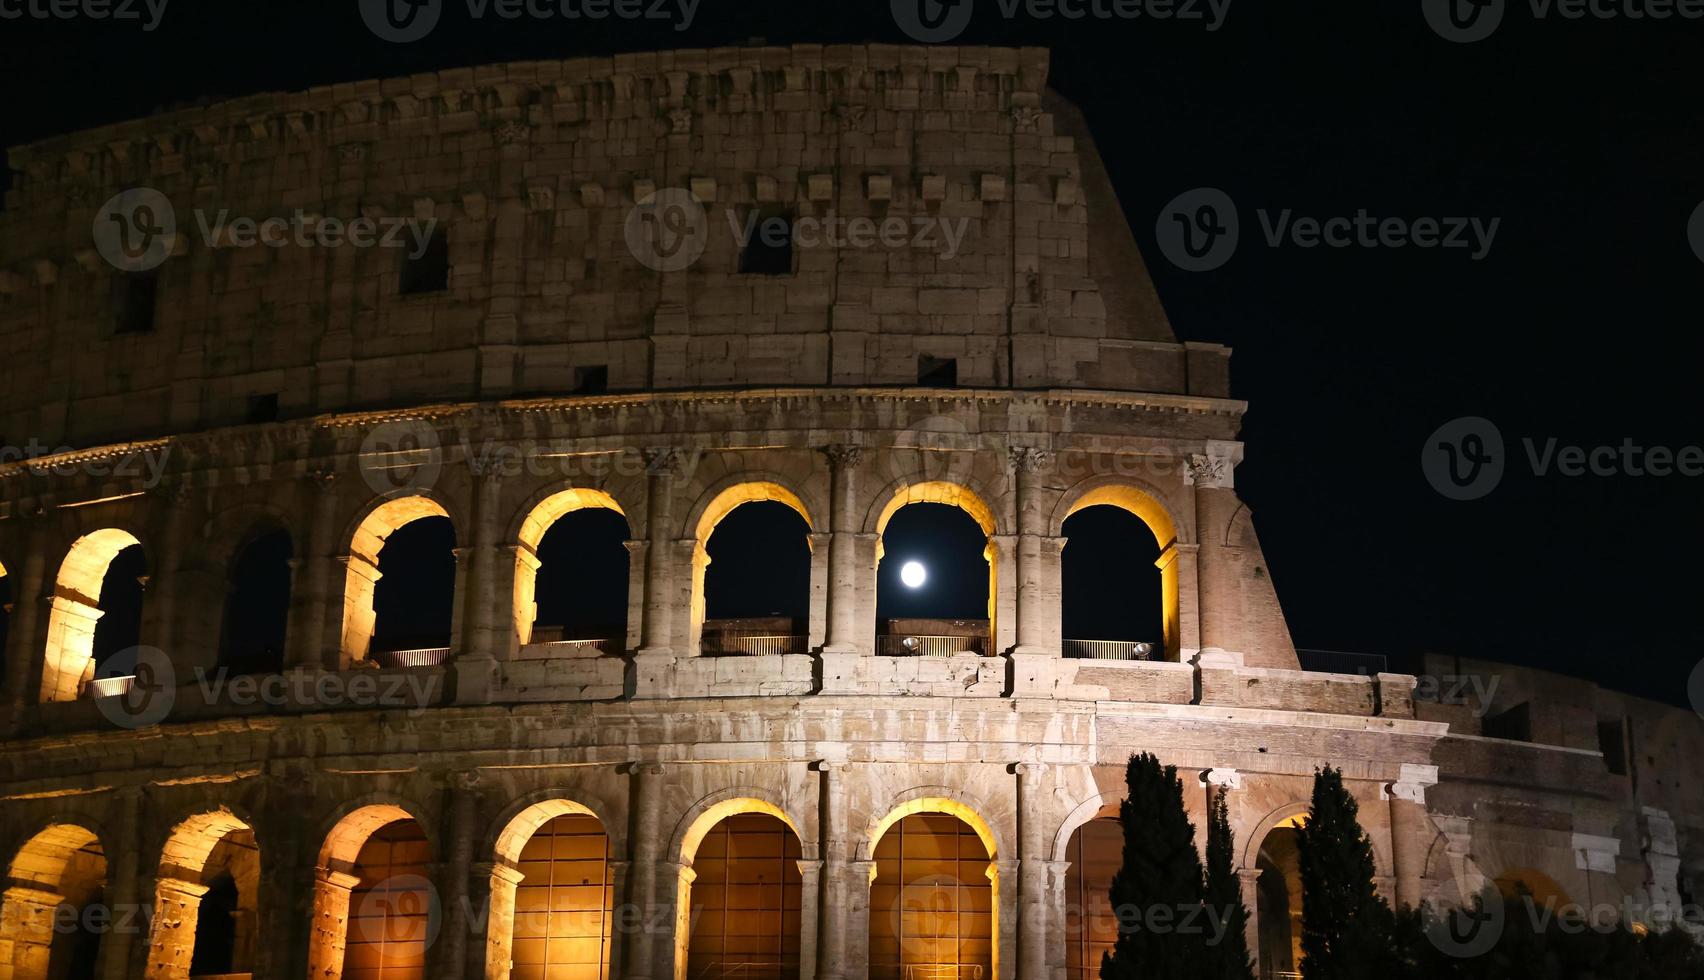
953	495
926	803
543	925
365	543
68	660
1292	814
711	512
1095	806
183	880
705	818
63	862
537	522
1150	508
336	877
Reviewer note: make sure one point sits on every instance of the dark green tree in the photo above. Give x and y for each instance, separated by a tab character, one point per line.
1159	882
1348	932
1228	958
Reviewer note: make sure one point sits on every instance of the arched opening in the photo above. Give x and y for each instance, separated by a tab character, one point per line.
935	573
932	898
373	902
52	882
745	896
1096	850
552	881
1111	589
752	572
573	572
207	900
1279	893
399	592
257	606
96	613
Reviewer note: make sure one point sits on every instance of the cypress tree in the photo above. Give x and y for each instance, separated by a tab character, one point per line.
1159	882
1347	929
1228	959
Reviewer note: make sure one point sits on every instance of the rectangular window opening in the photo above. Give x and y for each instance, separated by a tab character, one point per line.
135	299
426	266
769	250
937	372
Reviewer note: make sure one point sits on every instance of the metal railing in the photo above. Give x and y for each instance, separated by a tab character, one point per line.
545	649
918	645
106	687
429	657
754	646
1108	649
1341	662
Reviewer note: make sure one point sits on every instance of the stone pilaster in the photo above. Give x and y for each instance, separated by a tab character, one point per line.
1410	830
843	572
662	466
1032	871
1036	603
171	939
459	932
639	946
1213	475
124	885
23	639
837	888
313	641
1249	878
810	912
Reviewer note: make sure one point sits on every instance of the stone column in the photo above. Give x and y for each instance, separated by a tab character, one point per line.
619	876
454	873
28	928
1032	871
855	927
837	890
810	890
23	640
638	566
1410	830
486	624
124	885
1212	474
314	599
639	946
843	571
816	626
662	465
1250	880
330	922
171	940
1034	606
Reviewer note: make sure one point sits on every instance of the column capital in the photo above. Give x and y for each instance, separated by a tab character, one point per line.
1026	459
1215	467
1249	876
1029	769
843	455
663	461
1225	779
645	768
831	765
1411	784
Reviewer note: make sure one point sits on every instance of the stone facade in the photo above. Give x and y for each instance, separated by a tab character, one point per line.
725	388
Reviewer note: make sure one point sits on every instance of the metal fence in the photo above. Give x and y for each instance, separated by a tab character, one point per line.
754	646
430	657
1108	649
918	645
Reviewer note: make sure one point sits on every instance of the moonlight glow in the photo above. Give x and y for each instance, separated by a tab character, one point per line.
913	574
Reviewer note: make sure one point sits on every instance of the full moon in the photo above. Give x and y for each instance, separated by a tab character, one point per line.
913	574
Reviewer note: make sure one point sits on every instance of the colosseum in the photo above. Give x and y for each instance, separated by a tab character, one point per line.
240	742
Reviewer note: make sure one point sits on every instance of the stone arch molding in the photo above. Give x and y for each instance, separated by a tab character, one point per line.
708	811
514	829
365	540
715	504
35	887
180	884
1079	817
934	799
1291	811
528	533
68	659
334	873
1150	506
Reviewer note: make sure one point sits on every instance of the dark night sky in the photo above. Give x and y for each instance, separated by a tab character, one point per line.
1580	324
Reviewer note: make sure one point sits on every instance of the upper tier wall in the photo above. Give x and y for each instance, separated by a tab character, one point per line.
532	170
